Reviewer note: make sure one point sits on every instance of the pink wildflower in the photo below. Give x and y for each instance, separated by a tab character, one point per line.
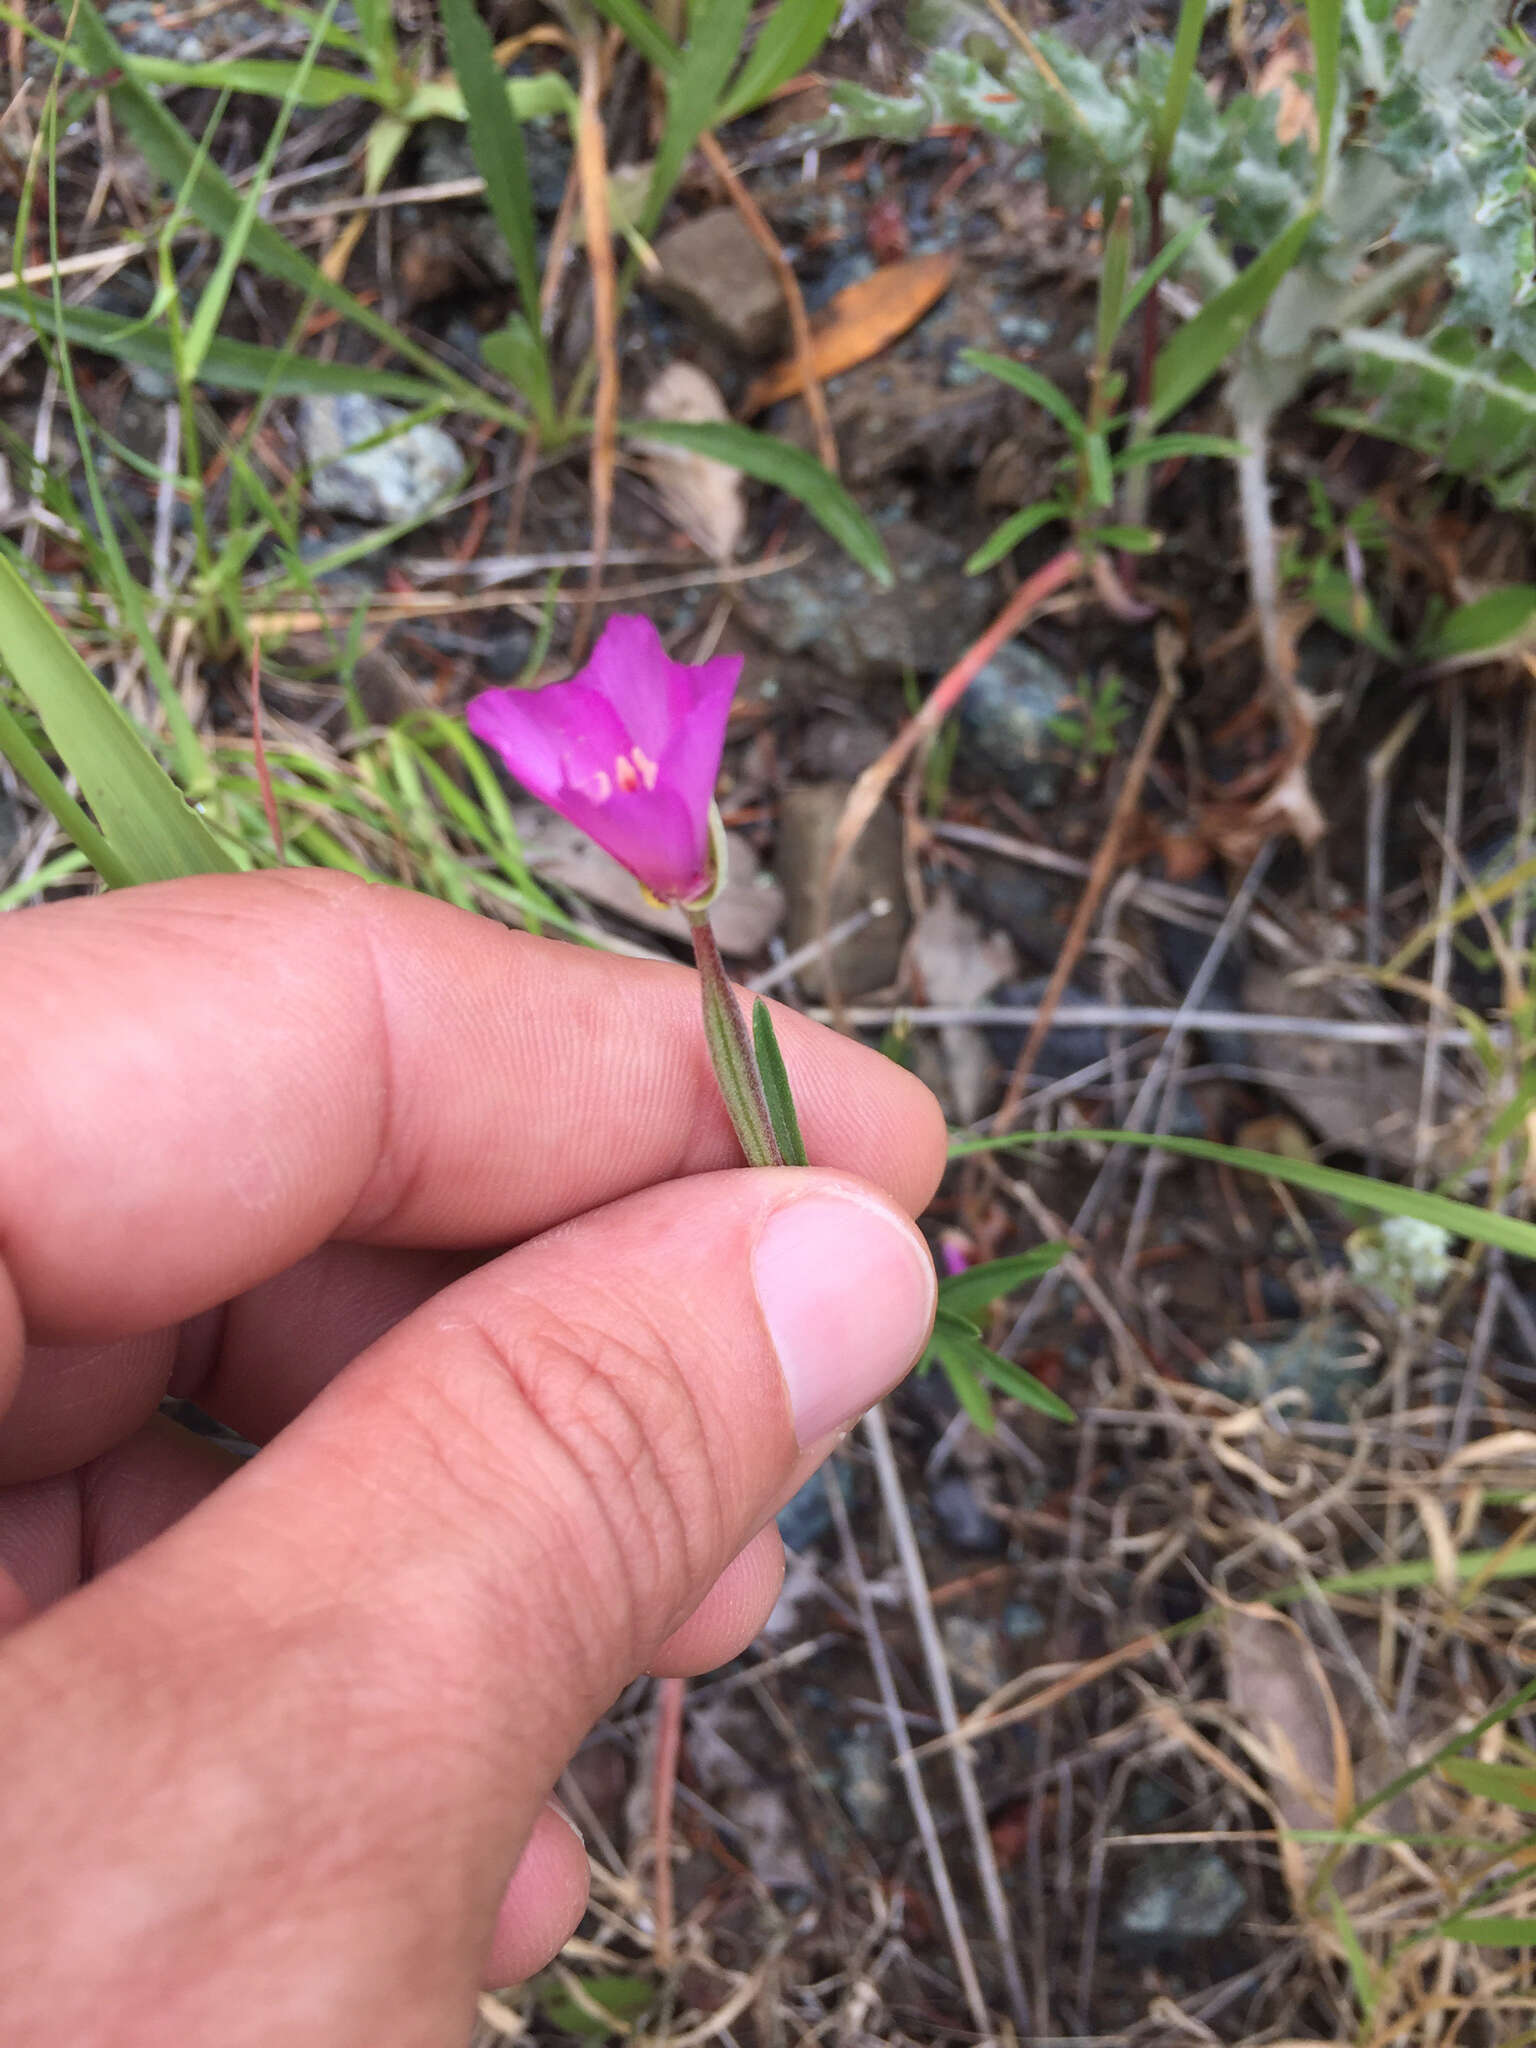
628	749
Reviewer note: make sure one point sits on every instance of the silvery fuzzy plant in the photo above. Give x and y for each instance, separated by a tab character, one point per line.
1422	169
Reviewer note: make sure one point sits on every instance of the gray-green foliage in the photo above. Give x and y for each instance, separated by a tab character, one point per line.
1430	173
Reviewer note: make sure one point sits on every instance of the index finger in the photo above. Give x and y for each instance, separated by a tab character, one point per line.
209	1078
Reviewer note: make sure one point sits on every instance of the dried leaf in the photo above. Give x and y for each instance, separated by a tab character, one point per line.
1286	73
702	497
859	322
1279	1690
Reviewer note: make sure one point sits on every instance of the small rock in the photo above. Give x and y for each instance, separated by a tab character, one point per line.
834	749
1031	906
828	607
1023	1622
1174	1897
704	498
864	1779
963	1521
970	1651
1065	1049
808	820
715	274
400	479
1005	734
806	1517
1328	1361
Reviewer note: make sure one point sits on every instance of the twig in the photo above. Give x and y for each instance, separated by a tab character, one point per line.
1144	1017
669	1736
897	1513
1099	876
906	1762
787	968
1429	1085
864	798
799	326
1378	784
591	157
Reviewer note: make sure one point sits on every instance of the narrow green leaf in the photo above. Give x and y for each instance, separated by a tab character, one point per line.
1325	21
152	832
1002	1373
787	42
1171	253
776	1090
961	1292
1167	447
1101	478
961	1375
1361	1973
204	323
1131	540
642	29
228	365
1510	1784
715	33
1502	619
1019	526
1186	49
775	462
1032	384
1491	1930
1113	272
516	353
322	87
496	140
1461	1219
34	770
214	202
1199	349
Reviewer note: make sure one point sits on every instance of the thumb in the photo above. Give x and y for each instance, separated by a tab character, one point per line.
309	1729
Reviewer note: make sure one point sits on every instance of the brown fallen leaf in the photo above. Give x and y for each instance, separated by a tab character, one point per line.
858	323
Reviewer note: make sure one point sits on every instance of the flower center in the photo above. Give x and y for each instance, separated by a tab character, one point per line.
631	771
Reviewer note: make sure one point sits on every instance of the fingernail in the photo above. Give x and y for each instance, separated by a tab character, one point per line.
847	1290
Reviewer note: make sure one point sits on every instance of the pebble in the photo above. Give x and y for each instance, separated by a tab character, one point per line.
717	276
1066	1049
827	608
1005	735
400	479
1174	1897
963	1521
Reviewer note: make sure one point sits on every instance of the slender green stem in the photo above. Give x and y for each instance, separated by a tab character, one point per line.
730	1050
34	770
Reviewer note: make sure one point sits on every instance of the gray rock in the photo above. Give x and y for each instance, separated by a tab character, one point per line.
1065	1049
402	478
1023	1622
808	819
864	1780
1184	952
715	275
970	1651
1328	1361
1005	734
806	1517
1174	1897
445	156
963	1521
828	608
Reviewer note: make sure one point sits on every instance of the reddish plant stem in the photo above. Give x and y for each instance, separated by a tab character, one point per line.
669	1742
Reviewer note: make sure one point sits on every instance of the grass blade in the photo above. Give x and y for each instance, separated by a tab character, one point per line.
1018	526
1032	384
791	469
975	1288
694	91
1164	447
151	832
776	1091
1461	1219
496	141
789	40
1325	22
1170	115
1199	349
956	1346
321	86
1491	1930
641	28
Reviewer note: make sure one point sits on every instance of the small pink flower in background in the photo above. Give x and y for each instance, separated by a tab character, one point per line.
628	749
956	1253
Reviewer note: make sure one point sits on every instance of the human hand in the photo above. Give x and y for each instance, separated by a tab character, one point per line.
280	1735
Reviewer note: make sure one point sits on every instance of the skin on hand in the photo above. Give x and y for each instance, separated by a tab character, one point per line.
444	1217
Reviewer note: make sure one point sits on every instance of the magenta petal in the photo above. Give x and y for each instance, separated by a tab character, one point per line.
628	749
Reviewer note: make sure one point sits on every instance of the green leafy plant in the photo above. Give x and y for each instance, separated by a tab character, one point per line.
1093	730
969	1364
